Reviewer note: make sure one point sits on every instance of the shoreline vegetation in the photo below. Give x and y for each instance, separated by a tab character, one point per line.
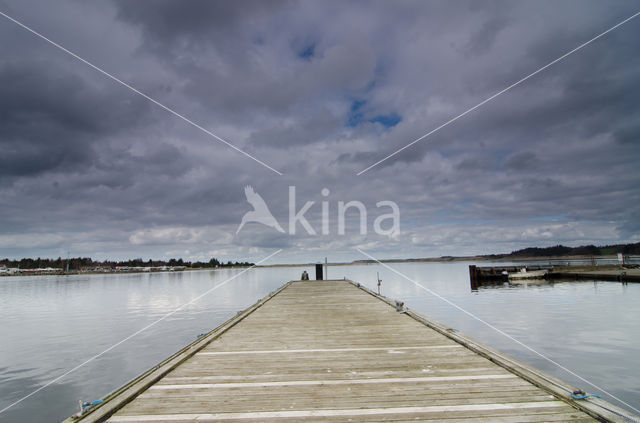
554	253
84	265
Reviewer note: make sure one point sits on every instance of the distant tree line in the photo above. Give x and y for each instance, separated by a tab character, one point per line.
83	262
583	250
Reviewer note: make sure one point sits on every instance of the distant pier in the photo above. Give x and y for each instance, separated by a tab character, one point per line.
482	275
334	351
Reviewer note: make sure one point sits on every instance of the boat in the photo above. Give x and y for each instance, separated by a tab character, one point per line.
523	274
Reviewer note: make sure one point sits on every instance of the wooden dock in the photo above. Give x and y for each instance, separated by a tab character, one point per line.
617	275
490	275
334	351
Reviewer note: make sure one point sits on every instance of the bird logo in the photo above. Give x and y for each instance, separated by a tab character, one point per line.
260	212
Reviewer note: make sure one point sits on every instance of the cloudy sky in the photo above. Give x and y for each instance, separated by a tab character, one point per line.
317	91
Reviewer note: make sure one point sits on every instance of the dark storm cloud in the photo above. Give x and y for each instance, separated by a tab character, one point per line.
524	160
169	24
242	60
318	90
483	38
51	119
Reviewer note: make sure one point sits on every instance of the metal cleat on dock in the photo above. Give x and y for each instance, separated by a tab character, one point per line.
399	306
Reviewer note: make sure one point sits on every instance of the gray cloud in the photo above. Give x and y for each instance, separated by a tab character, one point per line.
53	119
319	91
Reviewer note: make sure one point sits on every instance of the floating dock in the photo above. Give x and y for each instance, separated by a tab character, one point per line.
335	351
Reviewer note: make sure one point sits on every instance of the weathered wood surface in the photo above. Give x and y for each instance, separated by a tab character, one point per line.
329	351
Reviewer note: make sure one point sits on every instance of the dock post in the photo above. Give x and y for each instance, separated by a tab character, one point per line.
326	268
319	272
473	277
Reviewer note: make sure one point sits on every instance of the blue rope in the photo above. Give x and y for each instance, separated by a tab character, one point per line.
90	404
581	395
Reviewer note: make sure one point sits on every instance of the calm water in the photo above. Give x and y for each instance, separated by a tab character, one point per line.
50	324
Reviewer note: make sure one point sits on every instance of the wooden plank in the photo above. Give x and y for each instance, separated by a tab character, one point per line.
328	350
335	413
333	382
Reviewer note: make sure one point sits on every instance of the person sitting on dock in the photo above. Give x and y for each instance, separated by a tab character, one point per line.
305	276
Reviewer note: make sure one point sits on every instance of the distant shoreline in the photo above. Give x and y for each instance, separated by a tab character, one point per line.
449	259
116	272
443	259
